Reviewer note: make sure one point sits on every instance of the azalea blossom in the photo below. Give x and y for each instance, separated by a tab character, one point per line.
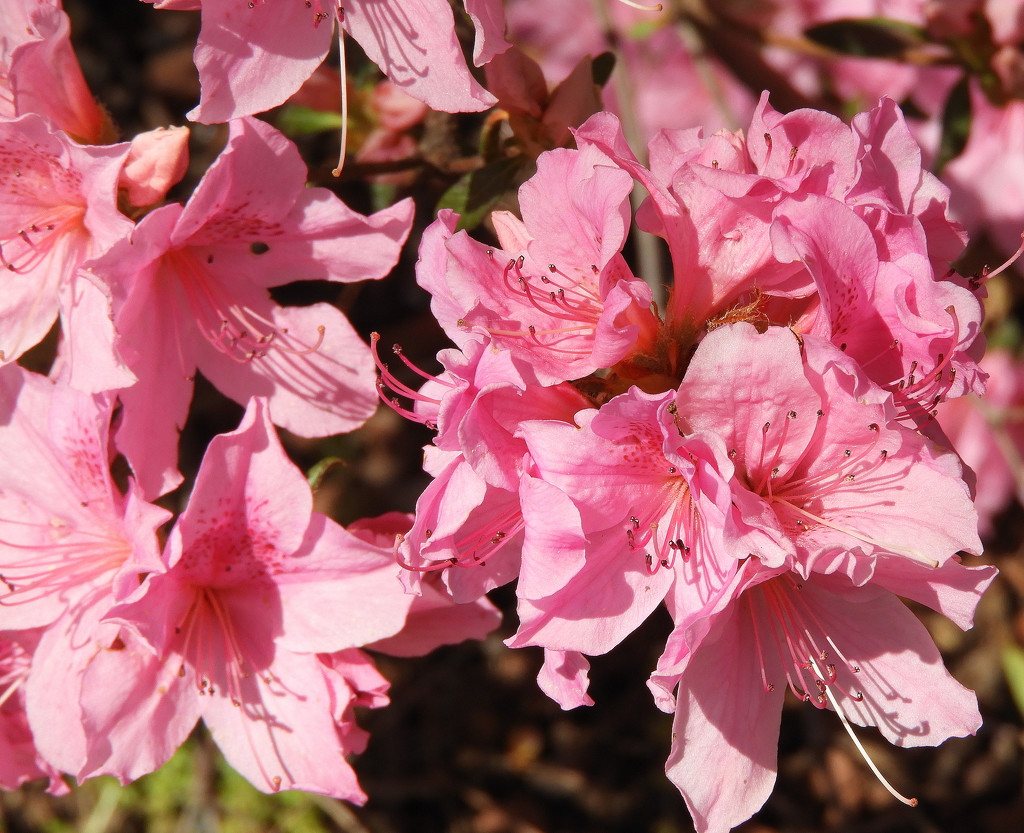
470	516
252	622
58	209
855	650
558	292
775	460
71	546
413	43
838	232
191	291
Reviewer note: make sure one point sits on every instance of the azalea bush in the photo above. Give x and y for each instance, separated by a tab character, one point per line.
396	387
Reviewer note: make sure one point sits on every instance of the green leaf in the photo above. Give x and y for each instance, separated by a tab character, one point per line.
1013	668
300	121
315	475
875	37
475	194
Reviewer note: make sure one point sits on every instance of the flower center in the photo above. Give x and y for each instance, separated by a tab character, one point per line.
234	329
569	307
209	643
797	490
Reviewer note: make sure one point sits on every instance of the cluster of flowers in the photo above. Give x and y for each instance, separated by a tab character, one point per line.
958	64
763	459
254	613
762	456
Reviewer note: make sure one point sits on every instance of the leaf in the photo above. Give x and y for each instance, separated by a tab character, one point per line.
1013	668
875	37
475	194
301	121
316	475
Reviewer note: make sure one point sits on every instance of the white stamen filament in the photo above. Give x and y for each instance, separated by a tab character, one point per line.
344	97
654	7
911	802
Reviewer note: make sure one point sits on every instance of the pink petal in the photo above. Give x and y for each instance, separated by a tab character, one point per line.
563	678
136	711
725	733
414	44
279	738
253	58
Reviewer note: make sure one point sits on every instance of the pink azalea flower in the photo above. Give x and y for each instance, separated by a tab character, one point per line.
58	209
558	292
471	510
782	460
191	291
414	44
649	504
461	525
39	72
252	623
855	650
66	538
819	444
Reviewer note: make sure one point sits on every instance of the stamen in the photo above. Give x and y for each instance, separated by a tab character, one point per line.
792	624
910	802
654	7
239	332
344	94
986	274
474	548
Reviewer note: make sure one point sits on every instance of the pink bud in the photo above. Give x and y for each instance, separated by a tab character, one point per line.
156	161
